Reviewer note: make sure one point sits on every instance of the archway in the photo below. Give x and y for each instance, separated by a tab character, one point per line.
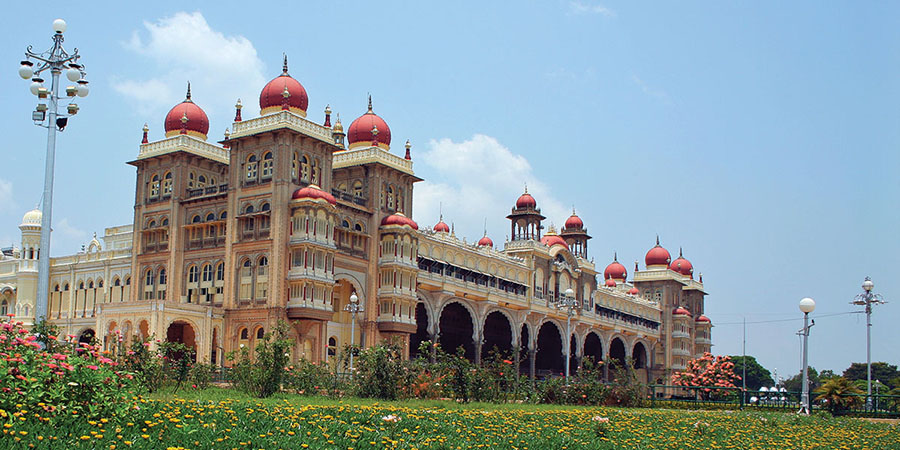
421	334
617	352
593	348
497	334
549	356
183	332
456	330
639	356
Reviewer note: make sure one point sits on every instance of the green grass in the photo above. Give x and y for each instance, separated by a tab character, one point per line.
220	418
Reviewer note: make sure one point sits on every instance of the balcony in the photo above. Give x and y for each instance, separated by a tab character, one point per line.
209	191
681	335
350	198
703	341
677	351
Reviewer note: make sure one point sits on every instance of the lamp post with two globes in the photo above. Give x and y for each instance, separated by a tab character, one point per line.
807	305
56	60
568	303
867	299
353	308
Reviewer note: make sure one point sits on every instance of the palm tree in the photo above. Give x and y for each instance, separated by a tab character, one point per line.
840	394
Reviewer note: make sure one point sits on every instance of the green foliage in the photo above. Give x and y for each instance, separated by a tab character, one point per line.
757	375
71	381
378	371
260	373
626	389
307	378
201	375
838	393
795	383
880	371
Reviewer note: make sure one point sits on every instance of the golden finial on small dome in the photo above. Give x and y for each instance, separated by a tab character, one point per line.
227	133
327	109
286	93
146	128
338	127
184	118
238	105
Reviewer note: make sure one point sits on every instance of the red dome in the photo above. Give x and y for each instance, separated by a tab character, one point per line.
441	227
361	131
485	242
187	118
526	201
552	239
399	219
704	319
615	270
633	291
313	192
574	222
682	266
657	256
679	311
611	283
271	99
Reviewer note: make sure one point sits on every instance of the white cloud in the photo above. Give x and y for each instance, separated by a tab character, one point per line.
184	48
588	7
651	91
479	179
7	204
68	231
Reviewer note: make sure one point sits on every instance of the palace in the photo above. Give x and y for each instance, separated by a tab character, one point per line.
284	220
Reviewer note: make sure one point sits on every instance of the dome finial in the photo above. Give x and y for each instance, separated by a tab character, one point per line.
485	226
526	188
408	156
284	68
146	129
187	97
679	252
615	256
237	111
657	240
327	116
370	102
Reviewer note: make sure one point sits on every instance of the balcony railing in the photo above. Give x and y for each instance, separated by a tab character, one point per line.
348	197
207	191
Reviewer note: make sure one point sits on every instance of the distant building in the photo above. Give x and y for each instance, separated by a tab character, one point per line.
283	220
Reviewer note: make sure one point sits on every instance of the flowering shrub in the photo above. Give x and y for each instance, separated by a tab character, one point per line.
379	371
70	379
708	371
260	374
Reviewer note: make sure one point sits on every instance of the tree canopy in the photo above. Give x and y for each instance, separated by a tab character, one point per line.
883	371
757	375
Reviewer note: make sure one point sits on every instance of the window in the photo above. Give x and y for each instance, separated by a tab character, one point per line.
265	207
192	274
165	222
148	279
304	168
4	308
267	166
66	288
191	178
245	334
263	264
390	197
220	272
154	186
167	183
201	181
162	276
332	346
116	283
357	188
295	168
315	172
251	168
224	215
210	217
207	272
195	219
260	333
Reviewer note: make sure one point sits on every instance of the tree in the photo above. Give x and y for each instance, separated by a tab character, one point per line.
708	371
795	383
880	371
757	375
838	393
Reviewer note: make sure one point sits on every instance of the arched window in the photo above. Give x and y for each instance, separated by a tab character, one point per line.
260	333
358	227
192	274
201	181
332	346
345	223
149	278
191	178
252	166
167	183
165	222
390	197
295	168
342	187
212	181
56	288
220	271
154	186
315	171
224	215
151	225
245	334
195	219
127	282
248	209
4	308
263	264
117	282
66	288
264	207
304	168
267	166
207	272
357	188
81	285
162	275
210	217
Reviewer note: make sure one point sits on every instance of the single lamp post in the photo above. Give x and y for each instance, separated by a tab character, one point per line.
353	308
568	303
56	60
807	305
867	299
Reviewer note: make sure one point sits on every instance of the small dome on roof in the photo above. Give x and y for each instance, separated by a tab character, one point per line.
187	118
441	226
681	311
633	291
367	129
574	222
32	218
399	219
313	192
615	270
283	93
703	318
610	283
657	256
682	266
485	242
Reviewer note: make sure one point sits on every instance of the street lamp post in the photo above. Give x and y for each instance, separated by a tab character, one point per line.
55	60
867	299
569	303
353	308
807	305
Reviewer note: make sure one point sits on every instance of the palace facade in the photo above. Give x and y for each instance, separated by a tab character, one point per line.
287	217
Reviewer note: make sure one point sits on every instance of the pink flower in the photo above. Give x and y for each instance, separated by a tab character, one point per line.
92	367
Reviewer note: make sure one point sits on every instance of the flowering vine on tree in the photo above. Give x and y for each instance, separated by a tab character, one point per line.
707	371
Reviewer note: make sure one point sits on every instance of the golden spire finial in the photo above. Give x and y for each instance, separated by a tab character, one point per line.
284	68
370	102
184	118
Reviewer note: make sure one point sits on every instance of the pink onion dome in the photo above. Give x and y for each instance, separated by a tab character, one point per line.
615	270
441	226
574	222
283	93
657	256
633	291
681	311
553	239
682	265
485	242
369	130
610	283
187	118
526	201
399	219
313	192
703	319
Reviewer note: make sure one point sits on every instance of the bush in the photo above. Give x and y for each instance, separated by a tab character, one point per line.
201	374
72	380
379	371
306	378
261	373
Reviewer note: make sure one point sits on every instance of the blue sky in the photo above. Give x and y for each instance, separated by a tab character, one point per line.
762	138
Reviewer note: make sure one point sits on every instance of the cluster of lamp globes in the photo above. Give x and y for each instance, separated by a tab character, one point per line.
74	73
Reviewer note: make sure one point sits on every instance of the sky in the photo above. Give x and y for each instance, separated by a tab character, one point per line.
761	138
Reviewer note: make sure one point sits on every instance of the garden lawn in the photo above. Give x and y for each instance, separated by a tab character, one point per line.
218	418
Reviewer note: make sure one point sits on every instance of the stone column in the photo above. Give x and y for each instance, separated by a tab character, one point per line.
531	362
